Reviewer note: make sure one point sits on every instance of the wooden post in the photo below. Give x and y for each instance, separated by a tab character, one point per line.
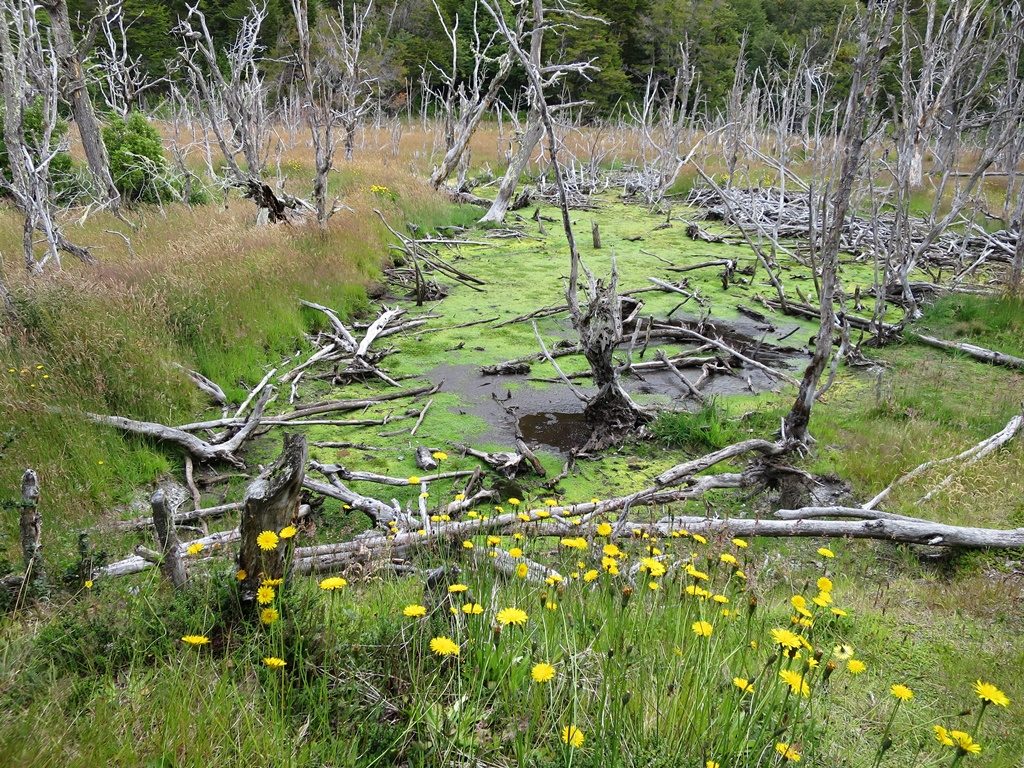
596	234
172	565
271	502
31	526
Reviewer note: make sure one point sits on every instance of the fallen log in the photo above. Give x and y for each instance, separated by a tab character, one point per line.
187	516
991	356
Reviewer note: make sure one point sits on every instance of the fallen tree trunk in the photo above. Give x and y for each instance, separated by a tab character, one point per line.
971	350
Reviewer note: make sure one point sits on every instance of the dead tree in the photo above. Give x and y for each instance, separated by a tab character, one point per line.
172	564
120	77
29	80
353	84
271	503
31	530
70	57
611	413
474	95
874	37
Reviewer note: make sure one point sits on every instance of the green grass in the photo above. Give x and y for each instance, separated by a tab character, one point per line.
997	323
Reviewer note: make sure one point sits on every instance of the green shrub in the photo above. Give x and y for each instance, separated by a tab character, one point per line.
70	181
137	161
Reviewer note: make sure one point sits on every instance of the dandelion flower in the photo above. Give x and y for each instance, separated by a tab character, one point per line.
515	616
551	605
965	743
826	552
414	611
572	736
195	548
467	544
989	694
838	612
288	532
195	639
788	752
264	595
267	541
787	639
740	543
272	582
274	662
604	529
413	480
693	573
550	503
515	552
440	455
654	567
332	583
88	583
901	692
514	501
542	672
444	646
825	584
942	736
855	666
728	559
590	576
269	615
702	628
472	609
493	541
522	570
457	588
796	682
743	684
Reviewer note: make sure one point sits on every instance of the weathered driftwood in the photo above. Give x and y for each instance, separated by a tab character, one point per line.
378	511
356	405
690	388
775	374
970	456
172	564
207	386
271	503
971	350
197	447
425	459
351	475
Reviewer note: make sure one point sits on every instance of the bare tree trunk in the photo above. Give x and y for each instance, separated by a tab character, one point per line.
271	503
172	565
81	105
31	529
871	50
531	136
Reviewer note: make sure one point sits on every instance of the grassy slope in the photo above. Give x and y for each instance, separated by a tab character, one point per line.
937	627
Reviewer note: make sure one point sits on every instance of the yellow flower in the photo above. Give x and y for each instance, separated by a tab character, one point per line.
240	574
572	736
521	570
267	541
942	736
653	586
826	552
264	595
740	543
822	599
512	616
515	552
787	639
269	615
693	573
788	752
699	539
838	612
542	513
332	583
989	694
195	548
414	611
610	550
550	503
272	582
825	584
711	764
273	662
444	646
965	742
795	681
604	529
542	673
855	666
467	544
514	501
654	567
590	576
88	583
743	684
456	588
901	692
725	557
472	609
288	532
720	599
413	480
440	455
551	605
195	639
702	629
524	517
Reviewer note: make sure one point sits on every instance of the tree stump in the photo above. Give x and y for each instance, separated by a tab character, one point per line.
595	234
172	565
31	529
271	503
